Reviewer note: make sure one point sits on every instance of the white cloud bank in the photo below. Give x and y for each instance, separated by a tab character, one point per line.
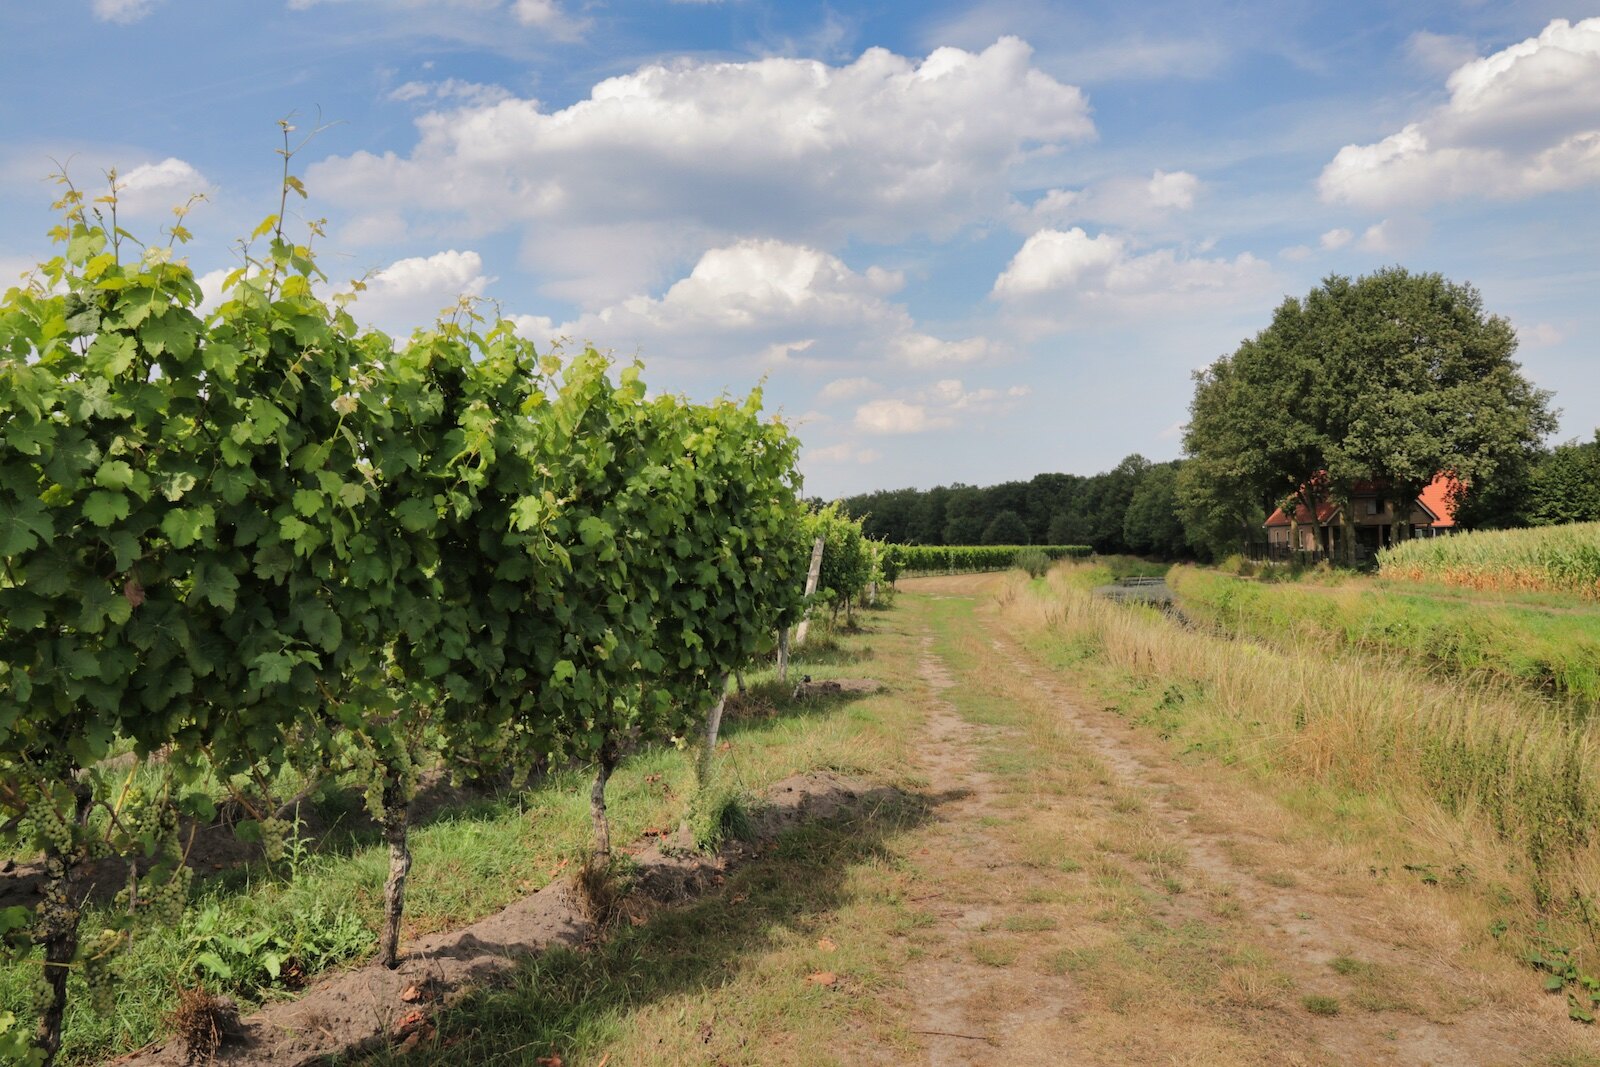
657	165
1128	201
775	303
1061	274
1520	122
936	407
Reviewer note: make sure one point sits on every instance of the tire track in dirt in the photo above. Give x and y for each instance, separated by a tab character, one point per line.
1305	929
967	1012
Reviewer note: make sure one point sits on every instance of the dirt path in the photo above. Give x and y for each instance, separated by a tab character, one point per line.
1091	899
965	1013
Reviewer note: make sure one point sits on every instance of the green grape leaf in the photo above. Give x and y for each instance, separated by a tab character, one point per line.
23	525
104	507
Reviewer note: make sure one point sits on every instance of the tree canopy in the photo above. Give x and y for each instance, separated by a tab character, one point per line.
1392	377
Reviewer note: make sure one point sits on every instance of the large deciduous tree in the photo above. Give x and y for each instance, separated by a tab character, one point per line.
1566	484
1392	377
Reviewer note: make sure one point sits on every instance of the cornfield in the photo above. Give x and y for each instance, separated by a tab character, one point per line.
1550	559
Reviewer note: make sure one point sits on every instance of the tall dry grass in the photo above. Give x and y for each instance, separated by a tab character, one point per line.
1553	652
1489	756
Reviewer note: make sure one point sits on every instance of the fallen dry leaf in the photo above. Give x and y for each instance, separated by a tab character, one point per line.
551	1060
408	1021
828	944
411	994
823	978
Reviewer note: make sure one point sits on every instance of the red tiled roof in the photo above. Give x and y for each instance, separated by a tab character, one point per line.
1302	514
1435	497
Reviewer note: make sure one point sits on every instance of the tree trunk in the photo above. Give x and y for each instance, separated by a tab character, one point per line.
783	655
597	803
713	724
396	823
1402	518
58	930
738	678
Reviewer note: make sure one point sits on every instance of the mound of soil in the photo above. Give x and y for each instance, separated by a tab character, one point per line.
369	1006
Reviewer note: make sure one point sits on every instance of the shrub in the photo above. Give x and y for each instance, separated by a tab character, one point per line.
1034	561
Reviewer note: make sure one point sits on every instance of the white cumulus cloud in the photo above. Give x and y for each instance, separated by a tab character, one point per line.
615	190
937	406
1124	201
411	293
894	416
123	11
775	303
1520	122
1063	278
156	188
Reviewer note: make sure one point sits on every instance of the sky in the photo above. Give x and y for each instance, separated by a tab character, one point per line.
953	242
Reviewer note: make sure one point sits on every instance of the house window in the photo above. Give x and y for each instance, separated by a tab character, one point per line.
1374	507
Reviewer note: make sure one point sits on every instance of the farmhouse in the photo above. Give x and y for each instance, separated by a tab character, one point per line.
1376	523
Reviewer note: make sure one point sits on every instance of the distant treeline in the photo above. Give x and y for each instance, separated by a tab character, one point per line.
1150	509
1131	508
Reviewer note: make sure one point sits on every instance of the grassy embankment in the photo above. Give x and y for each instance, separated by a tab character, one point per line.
1484	793
1488	639
321	905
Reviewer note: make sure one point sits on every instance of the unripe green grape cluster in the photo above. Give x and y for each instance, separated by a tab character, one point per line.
163	898
39	992
46	824
98	956
274	835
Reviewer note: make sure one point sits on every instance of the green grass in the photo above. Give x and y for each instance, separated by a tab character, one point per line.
1554	651
1103	570
321	906
666	975
1321	1005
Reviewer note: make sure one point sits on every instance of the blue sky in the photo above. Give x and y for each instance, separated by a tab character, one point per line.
960	242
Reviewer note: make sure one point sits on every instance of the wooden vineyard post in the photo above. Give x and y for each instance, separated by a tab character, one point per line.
812	576
783	655
713	726
872	587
